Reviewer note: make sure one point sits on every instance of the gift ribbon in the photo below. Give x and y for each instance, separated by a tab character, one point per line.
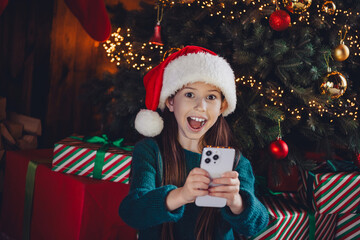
332	166
309	184
311	225
260	182
100	154
29	193
343	166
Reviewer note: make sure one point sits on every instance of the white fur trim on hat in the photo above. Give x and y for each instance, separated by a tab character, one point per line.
149	123
199	67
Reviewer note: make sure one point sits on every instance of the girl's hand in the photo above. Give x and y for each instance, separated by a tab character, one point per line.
230	190
196	184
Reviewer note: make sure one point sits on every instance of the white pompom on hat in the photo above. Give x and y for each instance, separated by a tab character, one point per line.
188	65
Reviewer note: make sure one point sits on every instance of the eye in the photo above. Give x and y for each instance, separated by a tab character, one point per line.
211	97
189	94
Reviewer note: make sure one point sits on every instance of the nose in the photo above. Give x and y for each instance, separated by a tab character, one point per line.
200	104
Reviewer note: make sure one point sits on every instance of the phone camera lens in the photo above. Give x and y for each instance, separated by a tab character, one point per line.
208	153
216	157
207	160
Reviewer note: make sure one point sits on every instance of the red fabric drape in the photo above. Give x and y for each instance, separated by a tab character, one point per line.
93	17
3	4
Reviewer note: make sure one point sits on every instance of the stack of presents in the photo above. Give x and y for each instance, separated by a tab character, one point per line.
323	203
73	191
17	132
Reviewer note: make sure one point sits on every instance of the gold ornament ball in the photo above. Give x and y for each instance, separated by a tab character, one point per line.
334	85
297	6
341	52
329	7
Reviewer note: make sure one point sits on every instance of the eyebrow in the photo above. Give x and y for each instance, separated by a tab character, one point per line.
212	90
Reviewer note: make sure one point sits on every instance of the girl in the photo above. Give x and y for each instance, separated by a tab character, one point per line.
194	88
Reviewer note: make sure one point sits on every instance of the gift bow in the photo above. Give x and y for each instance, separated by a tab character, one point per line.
100	154
105	141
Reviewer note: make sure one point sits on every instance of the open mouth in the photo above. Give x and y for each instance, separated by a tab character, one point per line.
196	123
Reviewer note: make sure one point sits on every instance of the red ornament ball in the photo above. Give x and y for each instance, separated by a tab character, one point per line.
279	20
278	149
357	159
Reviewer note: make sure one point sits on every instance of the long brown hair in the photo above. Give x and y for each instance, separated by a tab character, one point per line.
174	169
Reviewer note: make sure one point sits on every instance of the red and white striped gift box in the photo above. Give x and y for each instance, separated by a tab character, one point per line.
325	225
332	193
289	221
76	157
348	227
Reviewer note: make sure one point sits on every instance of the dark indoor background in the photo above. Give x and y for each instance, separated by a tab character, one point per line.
46	57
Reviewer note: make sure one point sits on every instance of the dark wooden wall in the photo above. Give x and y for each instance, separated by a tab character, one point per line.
45	58
25	44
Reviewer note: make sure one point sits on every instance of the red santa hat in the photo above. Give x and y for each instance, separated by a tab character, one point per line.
188	65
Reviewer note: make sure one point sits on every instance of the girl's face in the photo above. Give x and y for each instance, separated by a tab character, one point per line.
196	108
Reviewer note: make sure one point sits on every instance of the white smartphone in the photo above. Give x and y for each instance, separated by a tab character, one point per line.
216	161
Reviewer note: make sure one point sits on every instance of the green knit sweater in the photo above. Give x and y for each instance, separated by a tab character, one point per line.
144	208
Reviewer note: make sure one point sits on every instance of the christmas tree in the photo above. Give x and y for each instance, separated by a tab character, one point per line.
296	64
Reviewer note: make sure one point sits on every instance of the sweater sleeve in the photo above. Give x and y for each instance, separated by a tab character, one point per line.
255	217
145	205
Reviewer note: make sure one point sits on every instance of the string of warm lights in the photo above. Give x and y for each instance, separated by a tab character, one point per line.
339	108
231	10
235	9
352	38
119	48
146	47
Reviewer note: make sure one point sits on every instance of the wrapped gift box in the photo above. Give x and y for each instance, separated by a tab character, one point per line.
74	156
4	132
12	210
287	221
15	129
332	192
292	221
348	227
31	125
64	206
325	225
